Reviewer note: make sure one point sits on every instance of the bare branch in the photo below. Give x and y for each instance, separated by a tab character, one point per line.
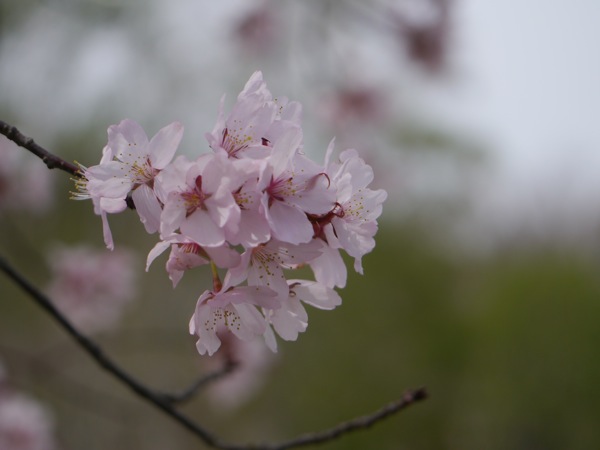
51	161
100	357
159	401
192	389
409	398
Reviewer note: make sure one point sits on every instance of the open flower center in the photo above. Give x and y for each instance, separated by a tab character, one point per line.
234	143
195	198
282	188
142	172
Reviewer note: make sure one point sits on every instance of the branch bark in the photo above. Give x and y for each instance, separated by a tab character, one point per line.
51	161
189	392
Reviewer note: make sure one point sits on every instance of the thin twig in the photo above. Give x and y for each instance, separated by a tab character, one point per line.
51	161
187	393
409	398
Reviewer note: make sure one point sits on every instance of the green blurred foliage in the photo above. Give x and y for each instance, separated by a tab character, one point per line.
506	345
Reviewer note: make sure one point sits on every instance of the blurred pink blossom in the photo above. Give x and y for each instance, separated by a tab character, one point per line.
24	423
352	106
253	360
257	31
25	184
91	287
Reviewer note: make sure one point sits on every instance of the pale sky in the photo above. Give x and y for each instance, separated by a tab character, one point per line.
528	84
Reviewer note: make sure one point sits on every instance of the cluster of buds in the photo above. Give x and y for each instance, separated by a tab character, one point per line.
255	207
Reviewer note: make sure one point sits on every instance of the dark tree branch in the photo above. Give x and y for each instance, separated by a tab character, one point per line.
104	361
192	389
409	398
158	400
51	161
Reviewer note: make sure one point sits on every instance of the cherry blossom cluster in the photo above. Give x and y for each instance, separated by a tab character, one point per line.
254	207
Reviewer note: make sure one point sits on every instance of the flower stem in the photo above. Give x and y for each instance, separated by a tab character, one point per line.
217	285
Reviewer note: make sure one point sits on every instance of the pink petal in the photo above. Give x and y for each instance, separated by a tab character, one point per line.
147	207
201	229
117	188
127	139
329	268
252	322
112	205
362	173
108	240
270	340
289	224
316	294
253	230
163	145
207	336
156	251
290	320
173	214
284	149
223	256
223	209
268	272
106	170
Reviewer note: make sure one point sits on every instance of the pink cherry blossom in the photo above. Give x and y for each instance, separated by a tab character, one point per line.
329	267
255	121
254	229
356	225
291	317
199	198
263	265
242	132
352	225
184	256
293	186
187	254
129	165
24	423
232	307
